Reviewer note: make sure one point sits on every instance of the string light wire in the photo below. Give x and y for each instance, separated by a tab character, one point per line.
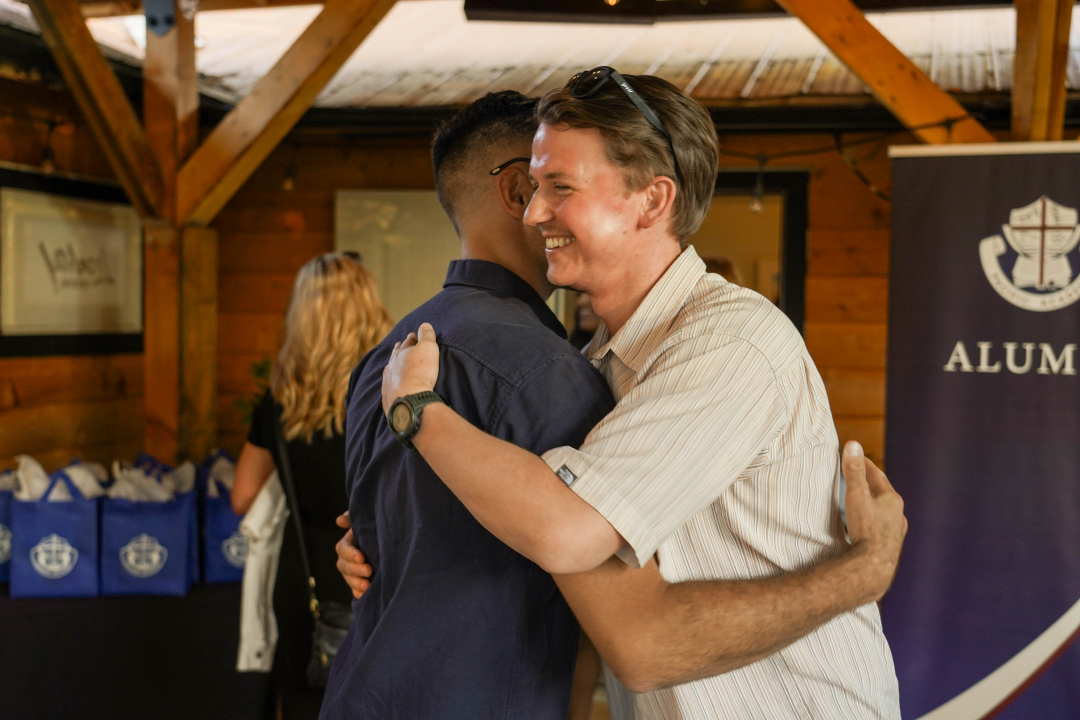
841	147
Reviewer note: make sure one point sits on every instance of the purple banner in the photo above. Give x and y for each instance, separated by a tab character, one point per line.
983	430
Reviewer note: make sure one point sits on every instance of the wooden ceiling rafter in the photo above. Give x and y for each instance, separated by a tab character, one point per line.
930	113
252	129
102	100
113	8
1039	69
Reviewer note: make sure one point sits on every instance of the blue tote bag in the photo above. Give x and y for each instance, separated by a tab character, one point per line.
153	466
145	546
54	545
226	547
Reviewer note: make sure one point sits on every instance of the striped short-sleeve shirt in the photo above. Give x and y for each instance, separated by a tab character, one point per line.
721	458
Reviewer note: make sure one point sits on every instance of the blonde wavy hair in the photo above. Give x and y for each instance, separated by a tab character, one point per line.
334	317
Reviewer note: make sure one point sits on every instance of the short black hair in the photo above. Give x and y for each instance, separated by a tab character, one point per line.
495	118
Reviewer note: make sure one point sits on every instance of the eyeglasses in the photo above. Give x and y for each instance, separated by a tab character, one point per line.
507	164
586	84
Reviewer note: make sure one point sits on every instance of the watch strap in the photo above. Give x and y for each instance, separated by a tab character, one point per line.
420	399
416	402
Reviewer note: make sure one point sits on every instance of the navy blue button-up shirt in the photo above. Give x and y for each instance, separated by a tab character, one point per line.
455	623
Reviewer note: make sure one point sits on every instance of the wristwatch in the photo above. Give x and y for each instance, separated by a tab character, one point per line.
404	415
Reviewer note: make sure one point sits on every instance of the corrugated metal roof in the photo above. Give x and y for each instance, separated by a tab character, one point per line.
427	54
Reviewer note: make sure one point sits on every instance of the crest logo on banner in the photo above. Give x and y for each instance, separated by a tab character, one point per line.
5	544
235	549
1041	236
144	556
53	557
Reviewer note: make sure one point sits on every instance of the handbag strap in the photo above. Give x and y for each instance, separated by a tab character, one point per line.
285	471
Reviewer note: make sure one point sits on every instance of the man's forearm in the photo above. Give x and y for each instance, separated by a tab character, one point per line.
655	634
515	495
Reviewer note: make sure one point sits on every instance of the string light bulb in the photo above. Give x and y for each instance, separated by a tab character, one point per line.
757	201
289	183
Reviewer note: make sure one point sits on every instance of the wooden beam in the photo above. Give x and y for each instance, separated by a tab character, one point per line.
171	104
102	101
110	8
1042	55
161	341
895	81
251	130
170	114
198	342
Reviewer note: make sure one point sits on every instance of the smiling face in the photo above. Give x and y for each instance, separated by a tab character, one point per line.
582	207
602	237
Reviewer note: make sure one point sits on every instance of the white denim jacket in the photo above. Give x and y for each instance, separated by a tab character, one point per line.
264	527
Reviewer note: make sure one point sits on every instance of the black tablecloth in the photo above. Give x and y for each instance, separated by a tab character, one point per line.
127	657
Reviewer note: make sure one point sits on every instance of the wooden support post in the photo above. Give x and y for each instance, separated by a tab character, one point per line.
1042	55
198	342
895	81
251	130
102	101
161	341
177	426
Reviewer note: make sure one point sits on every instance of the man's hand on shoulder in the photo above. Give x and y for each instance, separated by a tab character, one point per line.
413	366
875	520
350	561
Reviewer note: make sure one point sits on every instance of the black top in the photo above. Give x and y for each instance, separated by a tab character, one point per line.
319	473
455	623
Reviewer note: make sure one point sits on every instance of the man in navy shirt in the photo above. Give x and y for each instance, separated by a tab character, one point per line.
454	624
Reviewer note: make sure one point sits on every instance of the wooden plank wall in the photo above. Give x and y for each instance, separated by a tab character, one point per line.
57	408
267	233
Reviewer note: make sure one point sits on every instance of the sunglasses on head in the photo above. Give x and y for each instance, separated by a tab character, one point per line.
586	84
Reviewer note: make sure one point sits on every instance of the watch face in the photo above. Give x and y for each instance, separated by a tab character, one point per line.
400	417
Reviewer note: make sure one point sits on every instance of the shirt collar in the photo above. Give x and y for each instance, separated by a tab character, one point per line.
499	281
652	320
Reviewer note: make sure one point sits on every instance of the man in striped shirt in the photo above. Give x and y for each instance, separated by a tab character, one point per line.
720	457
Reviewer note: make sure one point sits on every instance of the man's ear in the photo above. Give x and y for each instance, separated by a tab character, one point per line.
515	191
658	201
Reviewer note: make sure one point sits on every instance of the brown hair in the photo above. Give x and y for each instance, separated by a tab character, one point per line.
334	317
637	147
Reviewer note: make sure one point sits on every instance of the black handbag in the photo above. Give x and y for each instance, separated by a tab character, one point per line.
332	619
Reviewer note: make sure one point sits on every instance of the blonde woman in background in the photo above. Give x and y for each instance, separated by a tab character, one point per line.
334	317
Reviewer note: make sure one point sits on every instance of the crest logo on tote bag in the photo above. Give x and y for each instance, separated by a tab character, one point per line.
53	557
1038	240
235	549
5	544
144	556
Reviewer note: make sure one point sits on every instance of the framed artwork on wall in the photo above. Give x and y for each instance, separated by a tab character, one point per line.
71	276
